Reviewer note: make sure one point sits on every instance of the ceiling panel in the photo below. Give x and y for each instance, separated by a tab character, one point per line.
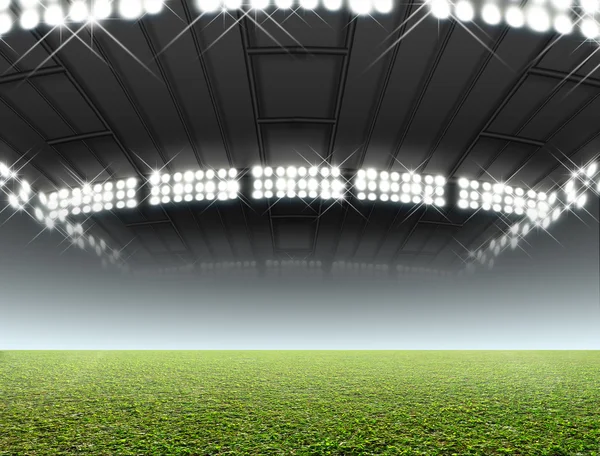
24	98
567	101
61	93
297	85
298	28
294	235
522	104
299	144
517	49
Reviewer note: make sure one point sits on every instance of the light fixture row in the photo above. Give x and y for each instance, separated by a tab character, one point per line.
540	16
23	200
575	192
90	198
510	239
310	183
407	188
323	182
558	15
502	198
198	185
358	7
54	13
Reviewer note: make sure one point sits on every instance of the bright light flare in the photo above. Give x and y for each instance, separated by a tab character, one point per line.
464	11
130	9
29	19
440	8
153	6
79	11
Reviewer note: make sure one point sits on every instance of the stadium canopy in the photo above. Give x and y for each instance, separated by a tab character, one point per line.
384	135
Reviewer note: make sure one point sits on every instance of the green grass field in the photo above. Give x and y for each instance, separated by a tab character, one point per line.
301	403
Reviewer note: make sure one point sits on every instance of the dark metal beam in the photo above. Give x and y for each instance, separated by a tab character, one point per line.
24	75
348	44
511	138
386	80
408	122
245	37
185	123
288	120
416	103
80	137
547	45
565	77
282	50
147	223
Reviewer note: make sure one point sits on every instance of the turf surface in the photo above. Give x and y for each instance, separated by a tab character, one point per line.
301	403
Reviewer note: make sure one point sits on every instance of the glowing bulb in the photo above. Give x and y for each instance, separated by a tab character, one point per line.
538	19
563	24
5	23
101	9
30	19
383	6
78	11
130	9
491	14
232	4
589	6
464	11
153	6
562	5
515	17
591	170
259	4
309	4
332	5
54	15
360	6
440	8
589	28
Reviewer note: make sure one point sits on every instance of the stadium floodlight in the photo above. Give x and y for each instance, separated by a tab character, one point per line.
563	24
464	11
491	14
153	6
409	187
361	7
101	9
589	6
86	199
538	19
499	197
562	5
291	182
514	16
130	9
440	8
30	19
54	15
198	185
78	12
589	28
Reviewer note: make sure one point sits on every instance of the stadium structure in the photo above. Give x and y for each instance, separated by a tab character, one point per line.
332	137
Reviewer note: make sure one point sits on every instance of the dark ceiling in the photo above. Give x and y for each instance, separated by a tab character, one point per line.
284	89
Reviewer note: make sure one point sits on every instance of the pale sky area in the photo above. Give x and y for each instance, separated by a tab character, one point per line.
546	298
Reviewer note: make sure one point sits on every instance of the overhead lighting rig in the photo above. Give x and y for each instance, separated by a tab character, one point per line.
314	182
406	188
194	185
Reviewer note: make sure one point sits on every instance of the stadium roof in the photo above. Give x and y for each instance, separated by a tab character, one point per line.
398	91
